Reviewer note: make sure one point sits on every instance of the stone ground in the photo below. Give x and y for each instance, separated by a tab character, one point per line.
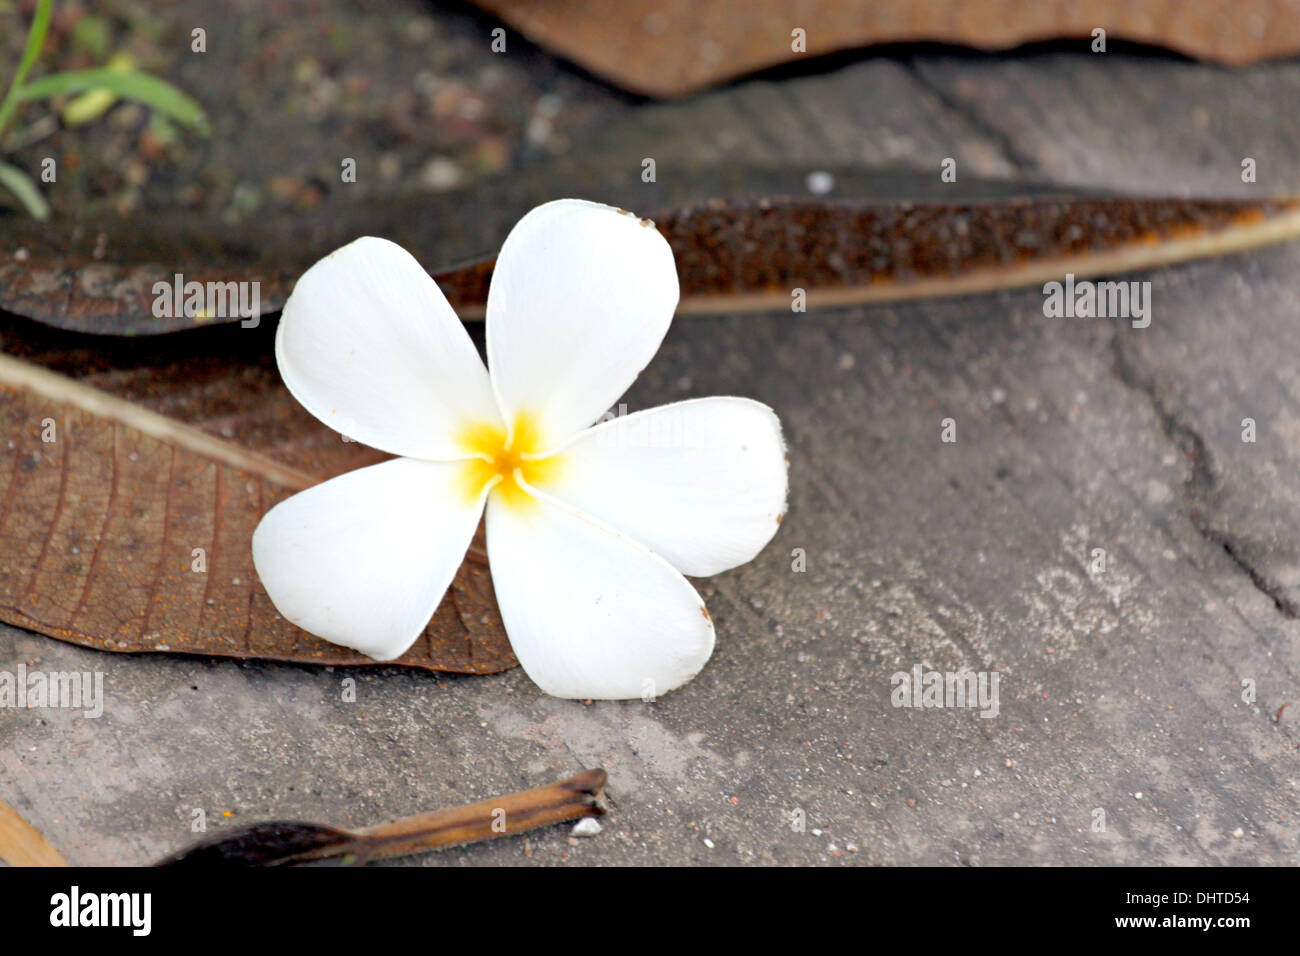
1120	689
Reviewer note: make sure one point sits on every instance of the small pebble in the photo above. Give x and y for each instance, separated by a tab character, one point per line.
820	182
588	827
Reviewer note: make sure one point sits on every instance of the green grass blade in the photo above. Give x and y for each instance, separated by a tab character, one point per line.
35	40
130	85
26	191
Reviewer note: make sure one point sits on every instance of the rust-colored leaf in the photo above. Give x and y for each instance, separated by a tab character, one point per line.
99	526
669	48
738	255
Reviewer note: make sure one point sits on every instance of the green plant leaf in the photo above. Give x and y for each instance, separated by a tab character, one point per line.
26	191
89	106
133	85
35	40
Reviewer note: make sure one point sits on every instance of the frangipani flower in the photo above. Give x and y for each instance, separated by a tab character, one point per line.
590	528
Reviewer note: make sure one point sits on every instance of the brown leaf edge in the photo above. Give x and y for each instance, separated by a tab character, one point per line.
21	844
672	48
98	527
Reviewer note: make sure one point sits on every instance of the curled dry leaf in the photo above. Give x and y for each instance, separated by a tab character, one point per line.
740	255
669	48
125	530
279	843
732	254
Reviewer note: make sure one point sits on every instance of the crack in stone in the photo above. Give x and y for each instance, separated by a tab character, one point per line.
1202	486
969	112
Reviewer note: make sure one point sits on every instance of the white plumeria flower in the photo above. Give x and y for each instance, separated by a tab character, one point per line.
590	528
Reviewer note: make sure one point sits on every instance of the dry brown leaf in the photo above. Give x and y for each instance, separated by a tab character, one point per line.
277	843
747	255
669	48
98	529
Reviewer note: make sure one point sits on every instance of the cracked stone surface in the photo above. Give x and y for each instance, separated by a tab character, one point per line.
1121	690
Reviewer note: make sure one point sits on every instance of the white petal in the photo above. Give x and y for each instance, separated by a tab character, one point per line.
370	346
702	482
590	612
363	559
581	297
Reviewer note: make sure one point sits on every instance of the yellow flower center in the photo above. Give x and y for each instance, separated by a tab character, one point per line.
505	459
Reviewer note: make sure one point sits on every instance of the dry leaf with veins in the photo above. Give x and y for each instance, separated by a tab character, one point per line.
131	531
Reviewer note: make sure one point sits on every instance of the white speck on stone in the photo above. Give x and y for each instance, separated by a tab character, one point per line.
586	828
441	174
1239	833
708	843
1158	492
819	182
1138	795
